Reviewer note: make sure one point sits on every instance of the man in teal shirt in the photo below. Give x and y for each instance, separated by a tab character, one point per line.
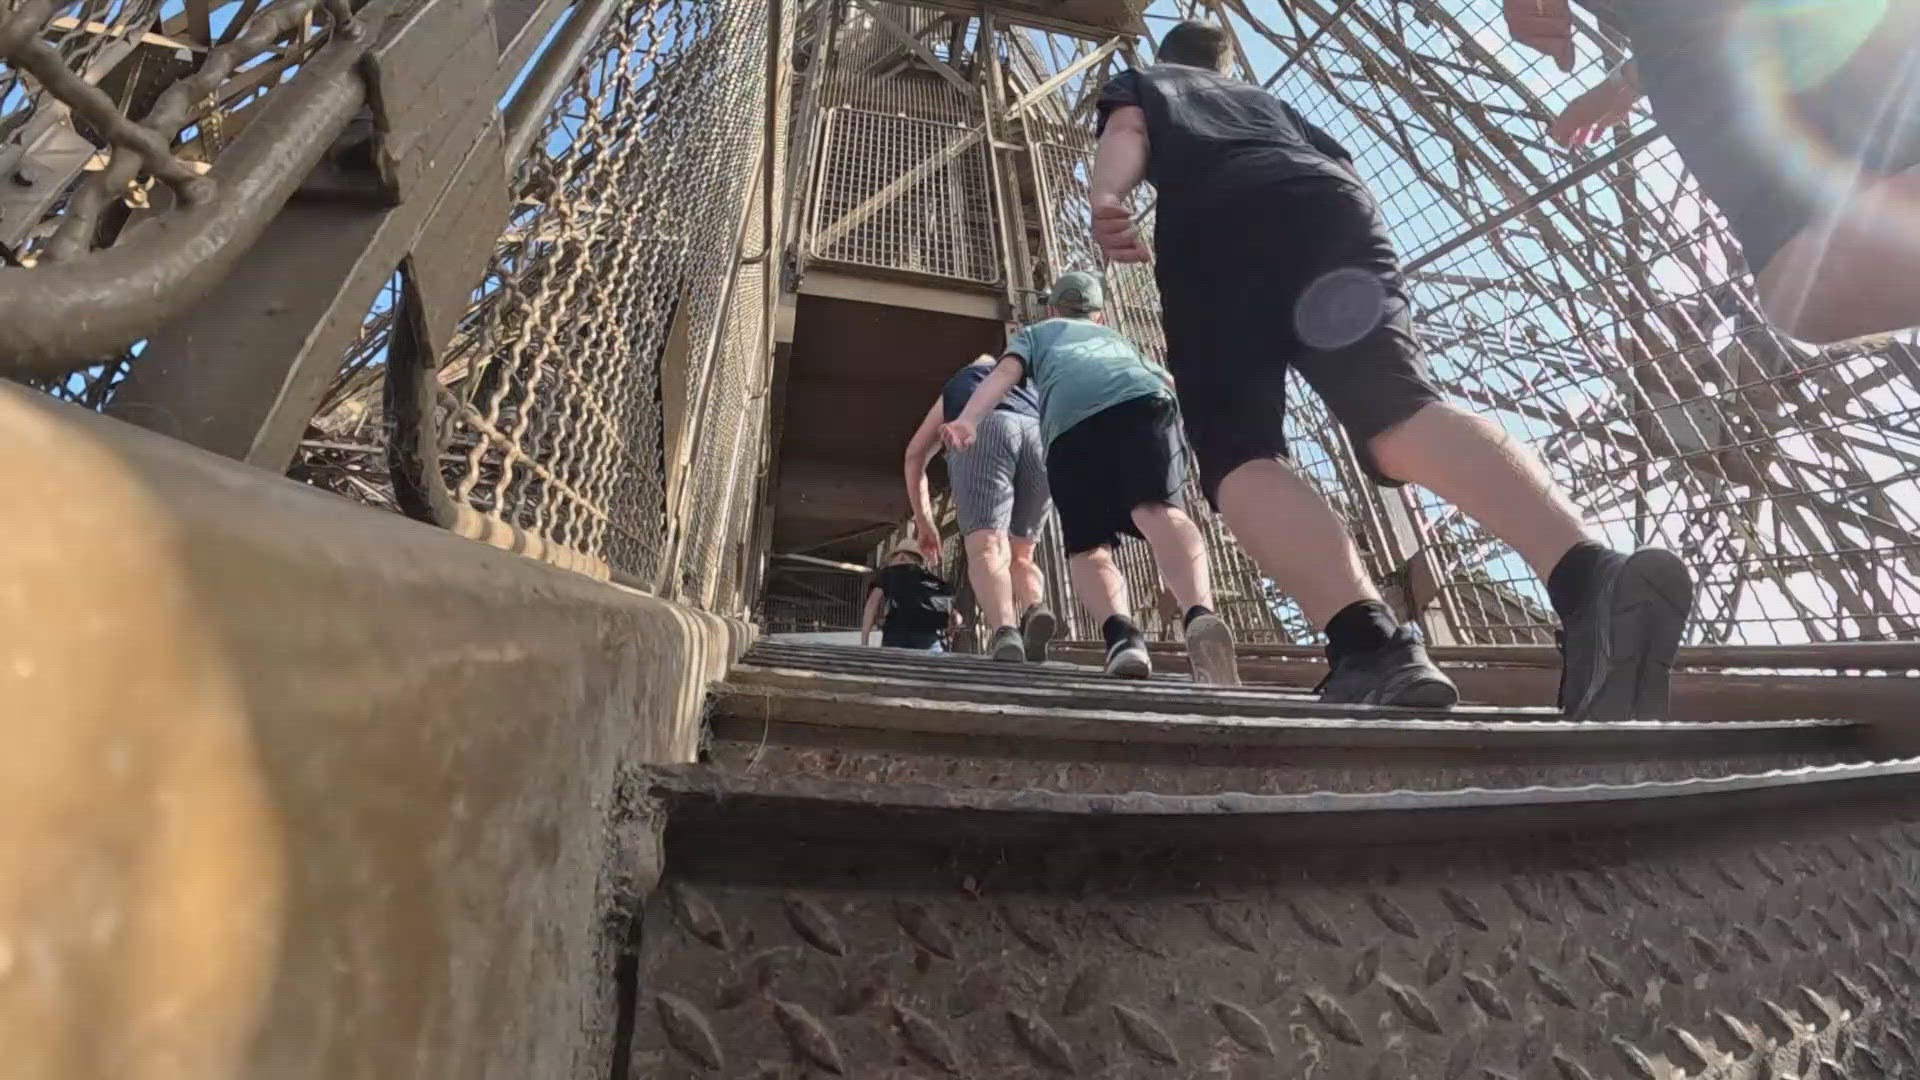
1116	465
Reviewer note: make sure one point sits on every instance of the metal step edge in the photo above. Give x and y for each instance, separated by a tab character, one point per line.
950	666
1104	693
741	711
759	809
1053	671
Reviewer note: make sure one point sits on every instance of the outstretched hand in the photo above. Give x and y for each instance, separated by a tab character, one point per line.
1113	230
958	435
927	539
1545	25
1590	114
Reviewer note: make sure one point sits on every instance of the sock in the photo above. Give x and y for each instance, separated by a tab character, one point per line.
1118	628
1361	626
1195	612
1572	577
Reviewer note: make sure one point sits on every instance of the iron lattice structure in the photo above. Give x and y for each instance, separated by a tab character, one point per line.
1591	301
576	362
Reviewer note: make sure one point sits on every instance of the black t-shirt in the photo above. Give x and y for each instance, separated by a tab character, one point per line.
1214	136
959	390
916	599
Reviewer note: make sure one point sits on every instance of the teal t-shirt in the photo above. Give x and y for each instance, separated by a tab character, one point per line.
1080	368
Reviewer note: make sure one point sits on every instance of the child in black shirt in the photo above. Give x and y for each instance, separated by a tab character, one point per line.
917	604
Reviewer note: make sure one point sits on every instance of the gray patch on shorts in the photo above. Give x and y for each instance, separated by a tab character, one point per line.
1340	308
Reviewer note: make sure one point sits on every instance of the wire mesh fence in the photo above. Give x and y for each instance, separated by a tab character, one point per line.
626	226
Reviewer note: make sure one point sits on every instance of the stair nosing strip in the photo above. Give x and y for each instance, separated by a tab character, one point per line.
1012	719
702	781
1149	692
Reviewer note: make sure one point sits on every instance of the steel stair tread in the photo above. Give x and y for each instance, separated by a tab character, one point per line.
853	704
1111	693
830	807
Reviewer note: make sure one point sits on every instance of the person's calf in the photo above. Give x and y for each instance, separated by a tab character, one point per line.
1478	466
1179	551
1029	584
1851	277
987	565
1097	581
1294	537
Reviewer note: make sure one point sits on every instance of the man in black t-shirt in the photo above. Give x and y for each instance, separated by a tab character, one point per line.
1271	255
912	605
1802	123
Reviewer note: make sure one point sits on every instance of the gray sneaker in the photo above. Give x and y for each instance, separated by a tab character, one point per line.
1397	673
1007	645
1128	659
1210	651
1617	651
1037	628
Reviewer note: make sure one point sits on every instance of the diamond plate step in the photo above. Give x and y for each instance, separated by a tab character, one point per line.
897	717
1731	927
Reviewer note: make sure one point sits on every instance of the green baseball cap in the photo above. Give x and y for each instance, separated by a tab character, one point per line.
1077	292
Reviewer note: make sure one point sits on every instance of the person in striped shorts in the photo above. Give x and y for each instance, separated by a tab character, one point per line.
1000	492
1117	466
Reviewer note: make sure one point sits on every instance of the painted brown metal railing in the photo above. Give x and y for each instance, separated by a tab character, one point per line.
79	306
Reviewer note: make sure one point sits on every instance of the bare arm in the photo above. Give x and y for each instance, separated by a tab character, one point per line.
920	450
1118	167
1593	113
1009	371
871	617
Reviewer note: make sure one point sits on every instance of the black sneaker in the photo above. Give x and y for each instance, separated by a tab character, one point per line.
1128	659
1210	651
1617	651
1398	673
1007	645
1037	626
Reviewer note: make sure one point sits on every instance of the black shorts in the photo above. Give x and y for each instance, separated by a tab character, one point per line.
1298	275
901	638
1773	159
1109	463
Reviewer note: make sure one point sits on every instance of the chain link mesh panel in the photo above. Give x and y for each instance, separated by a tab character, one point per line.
628	215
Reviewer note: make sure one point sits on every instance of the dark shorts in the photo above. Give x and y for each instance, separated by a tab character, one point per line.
1109	463
1775	159
1298	276
924	640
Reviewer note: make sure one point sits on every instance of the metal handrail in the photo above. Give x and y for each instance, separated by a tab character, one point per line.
70	313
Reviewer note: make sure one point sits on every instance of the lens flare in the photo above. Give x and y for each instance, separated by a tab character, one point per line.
1339	308
1830	91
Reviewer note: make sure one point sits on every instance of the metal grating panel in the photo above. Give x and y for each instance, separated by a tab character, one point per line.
903	194
629	207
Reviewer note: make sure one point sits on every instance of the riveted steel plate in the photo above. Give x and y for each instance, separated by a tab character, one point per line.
1728	949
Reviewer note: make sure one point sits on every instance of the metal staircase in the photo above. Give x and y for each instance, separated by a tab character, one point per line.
892	864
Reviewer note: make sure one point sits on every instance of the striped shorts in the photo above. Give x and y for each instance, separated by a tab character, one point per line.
1000	482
